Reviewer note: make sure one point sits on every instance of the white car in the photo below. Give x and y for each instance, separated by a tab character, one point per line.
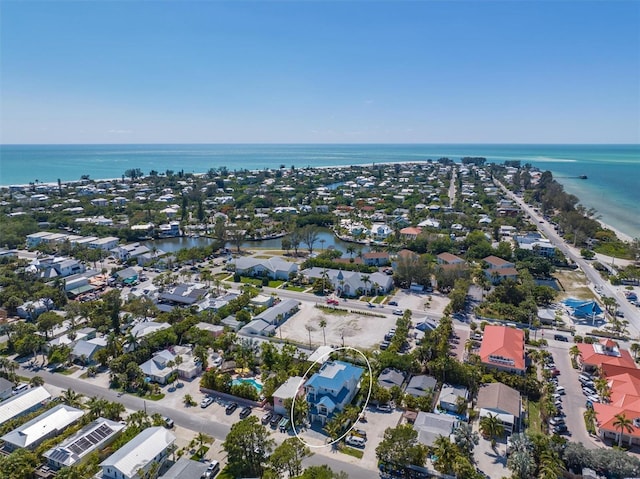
206	402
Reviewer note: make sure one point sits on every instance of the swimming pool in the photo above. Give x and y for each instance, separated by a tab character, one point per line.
253	381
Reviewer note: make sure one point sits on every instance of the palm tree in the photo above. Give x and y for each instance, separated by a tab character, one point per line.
323	325
203	439
574	352
366	279
491	427
36	381
590	415
622	423
465	438
446	454
522	464
72	398
96	406
602	387
551	466
635	349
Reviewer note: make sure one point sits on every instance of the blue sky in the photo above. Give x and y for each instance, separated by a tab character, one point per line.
320	72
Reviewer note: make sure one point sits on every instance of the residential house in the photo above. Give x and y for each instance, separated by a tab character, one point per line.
84	350
421	385
145	328
106	244
410	233
502	348
214	330
183	295
376	258
452	396
158	368
430	426
152	446
287	390
331	389
502	401
93	437
6	389
128	276
128	251
535	243
68	267
46	425
380	232
351	283
390	377
185	468
498	269
265	323
274	268
448	258
169	230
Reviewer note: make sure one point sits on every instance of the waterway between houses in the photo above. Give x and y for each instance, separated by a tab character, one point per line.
326	239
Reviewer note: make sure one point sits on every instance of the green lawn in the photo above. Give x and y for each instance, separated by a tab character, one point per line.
350	451
68	371
535	420
275	283
299	289
200	453
222	276
253	281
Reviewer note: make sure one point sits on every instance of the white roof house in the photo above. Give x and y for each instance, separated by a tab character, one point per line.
94	436
289	389
46	425
23	403
150	446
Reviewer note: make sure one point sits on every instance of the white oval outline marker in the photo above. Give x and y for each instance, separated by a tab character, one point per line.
295	431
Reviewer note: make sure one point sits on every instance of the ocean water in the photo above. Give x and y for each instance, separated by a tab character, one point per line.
612	187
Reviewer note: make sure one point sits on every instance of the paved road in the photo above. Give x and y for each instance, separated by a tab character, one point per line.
181	417
630	312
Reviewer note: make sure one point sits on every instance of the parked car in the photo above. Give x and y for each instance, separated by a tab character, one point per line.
245	412
560	337
231	407
556	421
588	391
385	408
275	420
398	312
360	432
355	441
206	402
333	301
266	418
168	422
384	345
560	429
393	303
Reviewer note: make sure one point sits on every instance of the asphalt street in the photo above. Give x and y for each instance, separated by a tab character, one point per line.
181	418
631	313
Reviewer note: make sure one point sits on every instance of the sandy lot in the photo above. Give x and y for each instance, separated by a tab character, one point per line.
575	284
356	329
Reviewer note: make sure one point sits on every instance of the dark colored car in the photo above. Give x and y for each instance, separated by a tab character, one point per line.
275	420
231	407
393	303
245	412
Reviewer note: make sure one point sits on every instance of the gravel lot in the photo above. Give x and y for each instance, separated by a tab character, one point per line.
358	330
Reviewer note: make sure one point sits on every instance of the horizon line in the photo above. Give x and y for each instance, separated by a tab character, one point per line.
319	144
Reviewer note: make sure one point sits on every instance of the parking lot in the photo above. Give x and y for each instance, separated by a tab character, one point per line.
573	401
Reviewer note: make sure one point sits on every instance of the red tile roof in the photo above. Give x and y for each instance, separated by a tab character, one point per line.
606	416
594	355
504	342
411	230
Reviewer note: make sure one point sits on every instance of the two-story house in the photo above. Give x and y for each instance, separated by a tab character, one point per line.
331	389
498	269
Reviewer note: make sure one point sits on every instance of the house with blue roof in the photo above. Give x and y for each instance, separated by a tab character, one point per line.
331	389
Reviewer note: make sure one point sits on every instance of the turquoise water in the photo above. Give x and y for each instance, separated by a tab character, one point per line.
253	381
612	187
